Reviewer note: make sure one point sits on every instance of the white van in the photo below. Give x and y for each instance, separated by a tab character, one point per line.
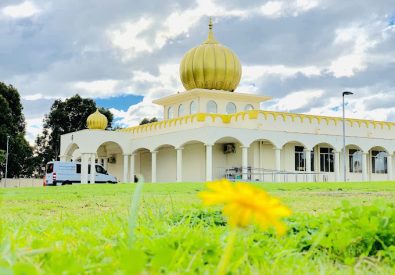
62	172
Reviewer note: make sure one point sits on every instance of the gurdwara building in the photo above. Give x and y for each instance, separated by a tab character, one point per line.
210	131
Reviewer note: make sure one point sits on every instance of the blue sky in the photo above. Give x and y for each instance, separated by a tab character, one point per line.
124	54
121	103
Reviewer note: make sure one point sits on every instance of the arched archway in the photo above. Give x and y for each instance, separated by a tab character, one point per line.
379	163
110	155
295	159
227	158
72	153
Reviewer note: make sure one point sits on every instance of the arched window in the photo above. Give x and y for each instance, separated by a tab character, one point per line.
193	107
170	113
230	108
248	107
181	110
211	107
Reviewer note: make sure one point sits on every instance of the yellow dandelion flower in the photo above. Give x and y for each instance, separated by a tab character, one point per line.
245	204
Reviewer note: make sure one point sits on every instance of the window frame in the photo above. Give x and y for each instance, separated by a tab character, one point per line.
231	105
215	105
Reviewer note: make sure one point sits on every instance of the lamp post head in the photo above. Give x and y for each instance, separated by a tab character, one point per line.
347	93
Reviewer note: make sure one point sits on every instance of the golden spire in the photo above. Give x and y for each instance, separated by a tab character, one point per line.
210	38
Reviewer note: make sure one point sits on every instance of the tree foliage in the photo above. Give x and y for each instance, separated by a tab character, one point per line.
147	120
65	116
12	123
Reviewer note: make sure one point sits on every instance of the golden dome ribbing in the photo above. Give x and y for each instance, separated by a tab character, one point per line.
97	121
210	66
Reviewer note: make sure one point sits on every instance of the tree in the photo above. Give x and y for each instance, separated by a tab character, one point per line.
147	120
12	123
64	117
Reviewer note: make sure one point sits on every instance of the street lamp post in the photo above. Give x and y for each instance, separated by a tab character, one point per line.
344	137
6	162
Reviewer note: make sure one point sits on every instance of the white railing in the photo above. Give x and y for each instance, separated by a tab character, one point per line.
267	175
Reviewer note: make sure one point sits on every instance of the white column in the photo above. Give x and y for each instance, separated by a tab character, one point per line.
132	156
125	168
209	162
105	163
84	168
179	164
336	164
308	163
389	167
364	166
153	166
93	168
244	162
277	156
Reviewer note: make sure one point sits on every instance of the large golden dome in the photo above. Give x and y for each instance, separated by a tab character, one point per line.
97	121
210	66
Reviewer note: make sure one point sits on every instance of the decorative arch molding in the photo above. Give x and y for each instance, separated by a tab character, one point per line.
235	137
111	143
134	151
296	142
190	142
70	149
164	145
379	147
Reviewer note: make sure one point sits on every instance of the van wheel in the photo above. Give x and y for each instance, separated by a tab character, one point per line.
66	183
111	182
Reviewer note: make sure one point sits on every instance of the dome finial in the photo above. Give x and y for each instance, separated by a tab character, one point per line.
97	121
210	38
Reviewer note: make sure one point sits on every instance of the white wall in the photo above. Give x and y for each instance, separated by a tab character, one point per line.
194	162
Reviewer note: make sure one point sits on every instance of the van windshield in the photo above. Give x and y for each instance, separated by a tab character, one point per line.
49	168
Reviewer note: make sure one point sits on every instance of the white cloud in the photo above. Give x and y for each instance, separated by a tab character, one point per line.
272	8
283	8
22	10
356	107
297	100
97	88
136	113
33	129
128	37
356	60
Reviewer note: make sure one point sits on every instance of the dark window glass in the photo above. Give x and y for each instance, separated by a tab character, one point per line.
49	168
379	162
326	160
355	161
300	161
78	168
100	169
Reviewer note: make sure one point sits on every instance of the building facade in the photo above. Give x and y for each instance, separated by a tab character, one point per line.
209	132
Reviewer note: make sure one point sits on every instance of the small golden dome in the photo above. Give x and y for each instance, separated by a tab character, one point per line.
210	66
97	121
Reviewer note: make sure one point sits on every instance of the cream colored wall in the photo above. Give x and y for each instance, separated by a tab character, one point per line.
194	162
142	165
201	103
166	164
116	169
222	161
221	104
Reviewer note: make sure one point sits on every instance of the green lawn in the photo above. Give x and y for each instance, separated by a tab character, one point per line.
84	229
